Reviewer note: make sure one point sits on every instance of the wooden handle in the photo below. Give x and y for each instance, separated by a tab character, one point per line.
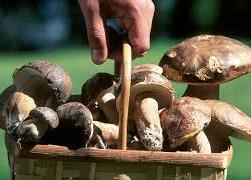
125	77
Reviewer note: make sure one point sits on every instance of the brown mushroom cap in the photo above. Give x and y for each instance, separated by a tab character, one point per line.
147	67
229	121
185	118
4	96
45	114
40	121
75	125
153	83
94	86
207	59
43	80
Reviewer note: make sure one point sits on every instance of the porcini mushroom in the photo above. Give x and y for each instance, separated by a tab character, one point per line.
16	110
97	92
204	62
75	125
185	121
227	120
47	83
35	126
4	96
150	92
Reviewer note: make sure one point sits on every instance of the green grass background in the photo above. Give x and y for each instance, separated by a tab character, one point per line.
76	61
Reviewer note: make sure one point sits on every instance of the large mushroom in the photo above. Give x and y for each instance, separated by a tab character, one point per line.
184	121
39	122
204	62
47	83
75	125
150	92
4	97
227	120
97	93
16	110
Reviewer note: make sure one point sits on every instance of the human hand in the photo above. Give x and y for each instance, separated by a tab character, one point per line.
134	16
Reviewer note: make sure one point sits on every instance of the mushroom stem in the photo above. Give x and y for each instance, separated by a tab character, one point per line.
203	92
147	122
200	143
108	105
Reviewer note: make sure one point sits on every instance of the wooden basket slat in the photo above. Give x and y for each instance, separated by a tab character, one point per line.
57	162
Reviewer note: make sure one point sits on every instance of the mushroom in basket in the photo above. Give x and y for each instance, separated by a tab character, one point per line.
227	120
204	62
4	97
185	121
47	83
40	121
97	94
150	92
16	110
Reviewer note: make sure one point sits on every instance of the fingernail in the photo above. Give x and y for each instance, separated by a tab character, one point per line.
97	56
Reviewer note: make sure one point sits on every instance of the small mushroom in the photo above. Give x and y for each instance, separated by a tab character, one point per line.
204	62
105	135
4	97
185	121
16	110
37	124
75	125
97	92
150	92
147	67
47	83
227	120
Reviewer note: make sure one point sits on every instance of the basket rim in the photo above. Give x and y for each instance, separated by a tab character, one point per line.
45	152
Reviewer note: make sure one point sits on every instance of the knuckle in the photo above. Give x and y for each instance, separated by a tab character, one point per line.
96	38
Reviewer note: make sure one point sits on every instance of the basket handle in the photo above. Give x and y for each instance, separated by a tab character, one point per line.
124	68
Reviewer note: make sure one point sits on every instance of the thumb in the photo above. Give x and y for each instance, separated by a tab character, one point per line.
95	30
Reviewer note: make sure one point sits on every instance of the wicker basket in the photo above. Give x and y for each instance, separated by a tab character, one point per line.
49	162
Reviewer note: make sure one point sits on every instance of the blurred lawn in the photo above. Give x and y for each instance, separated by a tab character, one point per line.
76	61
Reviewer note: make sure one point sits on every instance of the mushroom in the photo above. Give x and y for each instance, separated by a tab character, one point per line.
105	135
4	97
185	121
97	93
204	62
47	83
37	124
75	125
227	120
16	110
150	92
147	67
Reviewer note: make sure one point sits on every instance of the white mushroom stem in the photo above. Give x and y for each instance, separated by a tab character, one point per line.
147	121
107	104
200	143
203	91
16	110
